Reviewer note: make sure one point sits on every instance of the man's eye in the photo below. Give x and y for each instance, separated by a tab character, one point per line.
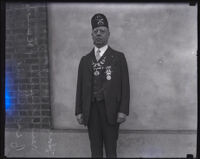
101	31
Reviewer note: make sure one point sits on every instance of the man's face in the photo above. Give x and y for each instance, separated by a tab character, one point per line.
100	36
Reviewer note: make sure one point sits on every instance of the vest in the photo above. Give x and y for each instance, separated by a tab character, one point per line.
98	78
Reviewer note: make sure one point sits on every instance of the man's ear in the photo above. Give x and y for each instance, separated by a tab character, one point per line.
92	33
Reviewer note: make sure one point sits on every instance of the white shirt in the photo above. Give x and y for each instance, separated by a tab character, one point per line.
102	49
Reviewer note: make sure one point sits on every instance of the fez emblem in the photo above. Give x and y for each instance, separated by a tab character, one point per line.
99	20
108	72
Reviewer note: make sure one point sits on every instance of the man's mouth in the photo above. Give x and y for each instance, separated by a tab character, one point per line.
98	39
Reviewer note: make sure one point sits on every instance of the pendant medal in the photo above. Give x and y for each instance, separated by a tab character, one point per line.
96	73
108	77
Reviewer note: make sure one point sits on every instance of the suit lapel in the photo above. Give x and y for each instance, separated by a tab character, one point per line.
109	56
89	60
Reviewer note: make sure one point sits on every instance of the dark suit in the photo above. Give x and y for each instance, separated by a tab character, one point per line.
116	91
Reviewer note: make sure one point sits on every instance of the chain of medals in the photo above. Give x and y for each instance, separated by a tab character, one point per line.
99	66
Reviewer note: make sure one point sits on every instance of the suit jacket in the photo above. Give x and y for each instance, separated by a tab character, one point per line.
116	90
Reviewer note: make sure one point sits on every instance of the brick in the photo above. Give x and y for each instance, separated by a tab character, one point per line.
36	106
45	99
15	5
35	80
43	47
23	87
45	120
29	100
46	113
10	86
10	38
44	61
36	113
21	56
13	100
12	94
21	25
24	80
44	67
45	125
34	54
11	125
9	44
45	92
34	67
19	30
10	107
35	74
35	86
21	106
22	68
44	86
21	37
9	31
10	75
44	80
45	106
36	100
29	106
24	74
19	42
20	13
10	120
19	49
36	92
9	69
24	125
31	61
21	100
36	120
35	125
12	113
8	56
25	113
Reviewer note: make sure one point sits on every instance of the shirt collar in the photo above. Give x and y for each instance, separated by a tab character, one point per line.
102	49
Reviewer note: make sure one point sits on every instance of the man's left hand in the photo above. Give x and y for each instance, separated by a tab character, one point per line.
121	117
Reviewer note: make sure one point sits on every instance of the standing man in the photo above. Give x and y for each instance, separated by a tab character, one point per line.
103	93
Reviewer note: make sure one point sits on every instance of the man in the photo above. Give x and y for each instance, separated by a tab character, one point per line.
103	93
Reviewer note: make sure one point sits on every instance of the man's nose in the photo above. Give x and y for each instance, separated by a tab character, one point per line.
98	32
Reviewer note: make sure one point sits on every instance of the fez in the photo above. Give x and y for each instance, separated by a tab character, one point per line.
99	20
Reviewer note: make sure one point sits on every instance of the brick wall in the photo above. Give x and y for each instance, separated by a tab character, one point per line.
27	66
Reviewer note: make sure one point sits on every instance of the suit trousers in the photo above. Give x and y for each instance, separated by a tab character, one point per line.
101	132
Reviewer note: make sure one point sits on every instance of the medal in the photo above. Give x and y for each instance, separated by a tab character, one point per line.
96	73
98	66
108	77
108	72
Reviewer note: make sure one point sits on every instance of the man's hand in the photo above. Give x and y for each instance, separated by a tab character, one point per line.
121	117
79	118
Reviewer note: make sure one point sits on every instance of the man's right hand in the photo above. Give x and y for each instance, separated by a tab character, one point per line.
79	118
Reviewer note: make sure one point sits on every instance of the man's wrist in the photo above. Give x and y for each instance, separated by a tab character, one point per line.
121	115
79	115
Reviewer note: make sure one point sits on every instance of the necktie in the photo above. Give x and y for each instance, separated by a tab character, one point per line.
98	56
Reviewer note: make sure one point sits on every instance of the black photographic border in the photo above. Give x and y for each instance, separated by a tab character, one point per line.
2	61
